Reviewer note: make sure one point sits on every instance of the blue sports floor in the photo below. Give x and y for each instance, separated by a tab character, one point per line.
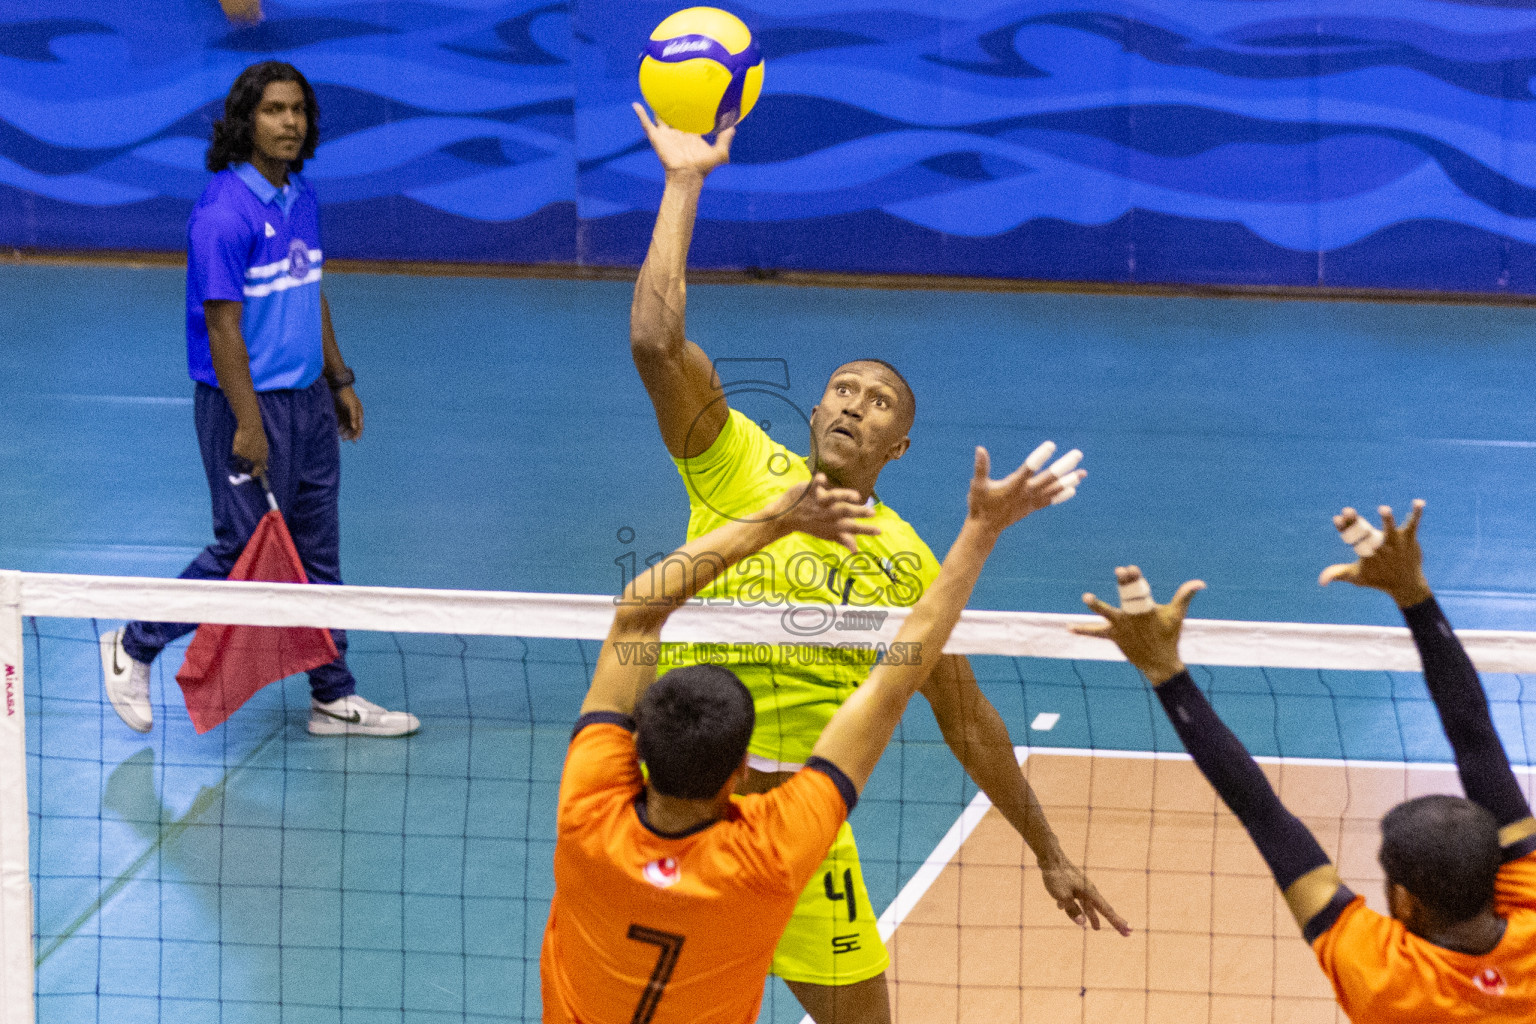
255	875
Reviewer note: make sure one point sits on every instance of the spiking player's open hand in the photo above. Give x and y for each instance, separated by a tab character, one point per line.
1391	560
684	152
1078	897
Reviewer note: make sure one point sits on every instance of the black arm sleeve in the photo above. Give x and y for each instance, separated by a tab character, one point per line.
1458	695
1288	846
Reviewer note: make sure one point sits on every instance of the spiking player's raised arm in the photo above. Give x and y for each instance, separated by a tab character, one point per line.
690	407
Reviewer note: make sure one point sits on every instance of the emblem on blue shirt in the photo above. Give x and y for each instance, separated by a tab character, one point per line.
298	259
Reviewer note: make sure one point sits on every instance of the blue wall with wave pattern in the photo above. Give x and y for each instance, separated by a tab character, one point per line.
1370	144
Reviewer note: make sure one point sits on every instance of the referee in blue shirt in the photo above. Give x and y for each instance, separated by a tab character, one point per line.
273	394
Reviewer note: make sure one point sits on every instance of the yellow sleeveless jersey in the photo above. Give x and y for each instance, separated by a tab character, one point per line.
796	689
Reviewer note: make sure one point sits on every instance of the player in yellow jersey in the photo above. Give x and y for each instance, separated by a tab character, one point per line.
1460	944
670	890
831	955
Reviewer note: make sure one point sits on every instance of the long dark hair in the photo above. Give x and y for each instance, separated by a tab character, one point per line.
232	136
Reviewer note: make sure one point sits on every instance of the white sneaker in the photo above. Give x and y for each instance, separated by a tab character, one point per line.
354	716
127	683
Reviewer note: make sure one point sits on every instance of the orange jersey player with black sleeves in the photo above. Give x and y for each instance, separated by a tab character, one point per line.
1382	972
670	890
684	925
1460	944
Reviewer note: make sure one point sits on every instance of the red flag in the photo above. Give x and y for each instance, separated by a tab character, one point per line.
225	664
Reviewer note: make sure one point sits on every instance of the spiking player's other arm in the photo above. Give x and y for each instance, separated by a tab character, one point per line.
690	407
651	598
978	737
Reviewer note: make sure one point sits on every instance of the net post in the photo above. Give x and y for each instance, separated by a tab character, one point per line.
16	950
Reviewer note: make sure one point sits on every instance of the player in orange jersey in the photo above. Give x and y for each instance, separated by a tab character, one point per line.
1461	872
670	891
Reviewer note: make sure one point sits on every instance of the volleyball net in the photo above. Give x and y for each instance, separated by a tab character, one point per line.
262	873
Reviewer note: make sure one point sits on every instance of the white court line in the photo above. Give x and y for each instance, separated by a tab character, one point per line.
918	885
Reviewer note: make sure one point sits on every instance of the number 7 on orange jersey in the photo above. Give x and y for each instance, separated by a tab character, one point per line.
671	947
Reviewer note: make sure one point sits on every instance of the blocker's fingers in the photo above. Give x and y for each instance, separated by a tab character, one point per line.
1095	629
853	515
1069	906
723	140
1411	527
1349	572
1109	611
983	464
1135	592
1359	534
844	495
1185	594
1044	483
1069	480
1066	464
1040	456
1069	486
1388	520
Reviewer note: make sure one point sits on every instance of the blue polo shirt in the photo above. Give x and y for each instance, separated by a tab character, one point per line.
251	242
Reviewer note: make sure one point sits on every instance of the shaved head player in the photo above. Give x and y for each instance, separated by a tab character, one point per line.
670	890
1460	944
831	955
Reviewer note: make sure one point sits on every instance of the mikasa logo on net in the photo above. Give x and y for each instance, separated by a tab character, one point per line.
684	46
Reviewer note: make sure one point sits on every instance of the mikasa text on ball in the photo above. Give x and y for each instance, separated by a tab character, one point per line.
701	70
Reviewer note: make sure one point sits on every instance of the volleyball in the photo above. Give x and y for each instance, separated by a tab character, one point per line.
701	71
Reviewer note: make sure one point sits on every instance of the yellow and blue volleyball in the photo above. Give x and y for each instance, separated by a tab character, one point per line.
701	71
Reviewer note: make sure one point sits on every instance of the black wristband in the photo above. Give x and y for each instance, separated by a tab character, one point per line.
345	379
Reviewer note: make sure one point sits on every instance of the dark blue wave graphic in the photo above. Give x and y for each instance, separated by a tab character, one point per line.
29	40
1070	139
1293	53
457	118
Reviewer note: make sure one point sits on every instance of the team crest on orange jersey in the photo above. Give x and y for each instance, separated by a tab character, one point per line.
664	873
1488	980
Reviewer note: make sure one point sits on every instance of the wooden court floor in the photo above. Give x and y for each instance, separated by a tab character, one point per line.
975	938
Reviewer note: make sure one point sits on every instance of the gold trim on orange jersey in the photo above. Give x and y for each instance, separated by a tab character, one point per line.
1513	833
1311	893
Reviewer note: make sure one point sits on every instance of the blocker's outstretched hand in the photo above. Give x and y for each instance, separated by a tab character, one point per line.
1396	566
1149	638
683	152
999	504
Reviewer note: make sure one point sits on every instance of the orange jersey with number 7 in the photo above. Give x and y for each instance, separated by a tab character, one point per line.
648	928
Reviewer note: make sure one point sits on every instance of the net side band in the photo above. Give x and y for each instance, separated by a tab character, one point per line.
588	616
